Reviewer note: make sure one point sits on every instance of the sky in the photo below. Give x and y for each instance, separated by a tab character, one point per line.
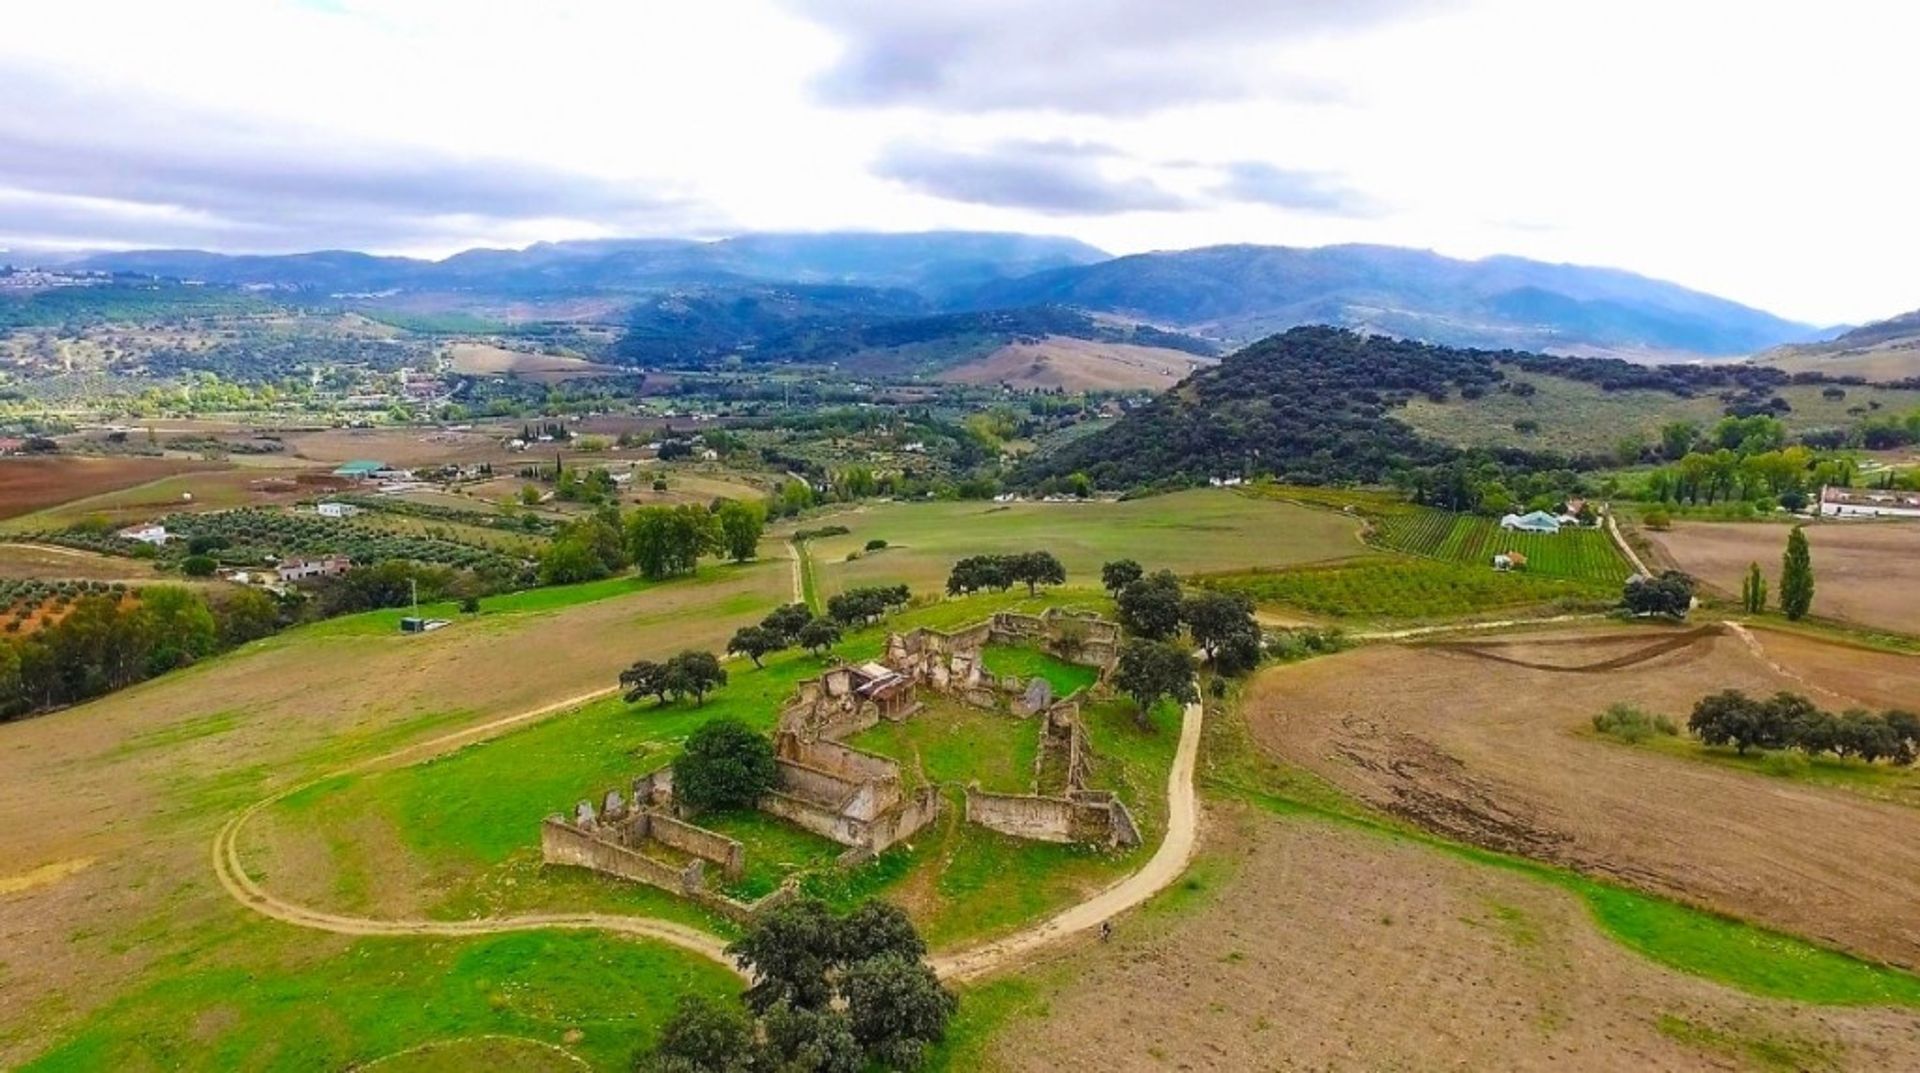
1757	150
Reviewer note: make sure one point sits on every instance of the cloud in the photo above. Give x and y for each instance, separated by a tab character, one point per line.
1262	183
1111	57
1057	178
87	167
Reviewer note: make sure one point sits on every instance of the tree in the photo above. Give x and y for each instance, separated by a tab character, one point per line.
470	605
703	1036
663	541
568	561
856	607
808	1041
1151	670
198	566
877	928
785	621
646	679
1150	606
1118	574
1214	618
726	765
789	950
1669	594
755	641
818	635
694	673
740	526
978	572
246	615
1753	590
1796	576
896	1006
1036	568
180	625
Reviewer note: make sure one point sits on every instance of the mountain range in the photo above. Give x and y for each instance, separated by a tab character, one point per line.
1229	295
1884	350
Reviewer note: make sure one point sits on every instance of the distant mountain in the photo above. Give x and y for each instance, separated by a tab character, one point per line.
1884	351
934	264
1238	293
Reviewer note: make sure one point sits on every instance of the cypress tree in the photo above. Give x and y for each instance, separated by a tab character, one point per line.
1753	591
1796	576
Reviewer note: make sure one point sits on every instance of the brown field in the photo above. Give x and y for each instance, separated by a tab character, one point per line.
1314	946
222	489
398	446
485	359
107	809
20	561
1483	742
1078	365
1895	359
1864	572
30	484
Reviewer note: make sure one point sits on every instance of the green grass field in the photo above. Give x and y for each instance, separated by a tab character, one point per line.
952	744
1027	663
1578	554
1185	532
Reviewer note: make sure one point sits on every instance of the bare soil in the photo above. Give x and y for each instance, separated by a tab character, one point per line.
1864	572
30	484
1330	948
1488	743
485	359
1078	365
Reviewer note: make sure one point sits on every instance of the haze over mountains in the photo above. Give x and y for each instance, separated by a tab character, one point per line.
1228	294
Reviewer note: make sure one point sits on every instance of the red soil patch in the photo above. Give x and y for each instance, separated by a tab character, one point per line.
30	484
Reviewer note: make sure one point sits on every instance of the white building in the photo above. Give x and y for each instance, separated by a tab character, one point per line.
145	534
306	569
1868	503
337	510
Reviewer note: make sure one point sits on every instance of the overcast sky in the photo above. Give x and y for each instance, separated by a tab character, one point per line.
1759	150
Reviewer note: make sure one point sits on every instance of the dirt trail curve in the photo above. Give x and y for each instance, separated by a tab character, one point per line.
1620	541
1160	871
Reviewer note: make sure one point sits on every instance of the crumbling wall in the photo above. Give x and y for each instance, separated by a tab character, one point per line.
713	846
654	789
564	843
822	820
1040	819
897	825
836	759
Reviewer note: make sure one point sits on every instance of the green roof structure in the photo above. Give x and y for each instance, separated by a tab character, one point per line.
362	467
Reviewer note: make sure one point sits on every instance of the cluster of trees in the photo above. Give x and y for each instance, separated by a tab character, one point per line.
786	626
861	606
726	765
1791	721
978	573
657	541
104	643
1154	607
1796	580
692	673
1670	594
830	995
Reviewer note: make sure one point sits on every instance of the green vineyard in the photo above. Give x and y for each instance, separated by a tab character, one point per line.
1579	554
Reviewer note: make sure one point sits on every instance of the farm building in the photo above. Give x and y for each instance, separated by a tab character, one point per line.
307	569
360	469
337	510
1538	521
1510	560
145	534
1868	503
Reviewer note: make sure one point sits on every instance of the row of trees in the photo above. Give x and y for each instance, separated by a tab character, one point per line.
978	573
1670	594
831	994
1791	721
105	643
692	673
784	627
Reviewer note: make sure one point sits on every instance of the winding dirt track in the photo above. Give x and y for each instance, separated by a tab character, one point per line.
1167	863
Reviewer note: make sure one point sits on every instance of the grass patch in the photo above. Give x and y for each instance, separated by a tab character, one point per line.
379	996
1029	663
952	744
1883	782
775	850
1763	1052
1625	723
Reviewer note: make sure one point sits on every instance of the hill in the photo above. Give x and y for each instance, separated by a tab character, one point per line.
1238	293
934	262
1885	350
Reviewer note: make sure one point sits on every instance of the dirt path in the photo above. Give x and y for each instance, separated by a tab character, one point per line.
1619	541
1166	865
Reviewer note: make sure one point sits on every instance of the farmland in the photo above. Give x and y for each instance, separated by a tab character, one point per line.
1185	532
31	484
1867	573
1397	589
1579	554
1479	742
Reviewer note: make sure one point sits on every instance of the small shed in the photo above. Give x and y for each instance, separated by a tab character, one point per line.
1538	521
360	469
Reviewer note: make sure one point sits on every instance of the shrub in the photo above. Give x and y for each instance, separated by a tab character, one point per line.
1624	722
876	544
1785	765
1659	520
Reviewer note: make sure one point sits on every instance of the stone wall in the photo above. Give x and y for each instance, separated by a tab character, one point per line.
836	759
563	843
708	845
821	820
1041	819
